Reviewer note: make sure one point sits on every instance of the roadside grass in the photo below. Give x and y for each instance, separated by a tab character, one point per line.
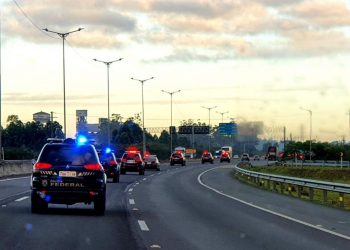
329	198
330	174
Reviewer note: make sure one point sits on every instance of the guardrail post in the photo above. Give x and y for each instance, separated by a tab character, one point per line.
325	198
274	186
311	193
282	187
269	184
299	191
341	200
289	190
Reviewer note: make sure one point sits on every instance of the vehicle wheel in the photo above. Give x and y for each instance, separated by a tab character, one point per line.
142	172
122	171
100	204
202	162
38	205
212	162
116	178
158	169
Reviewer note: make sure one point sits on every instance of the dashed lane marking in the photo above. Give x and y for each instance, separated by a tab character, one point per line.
144	179
143	225
131	189
132	201
22	198
267	210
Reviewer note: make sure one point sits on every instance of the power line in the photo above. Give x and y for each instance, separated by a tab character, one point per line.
30	20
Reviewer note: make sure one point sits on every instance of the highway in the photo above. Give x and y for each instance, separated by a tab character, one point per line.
193	207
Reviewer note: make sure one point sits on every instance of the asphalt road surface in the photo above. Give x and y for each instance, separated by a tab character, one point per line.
193	207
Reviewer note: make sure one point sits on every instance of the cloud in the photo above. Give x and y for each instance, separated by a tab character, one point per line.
325	13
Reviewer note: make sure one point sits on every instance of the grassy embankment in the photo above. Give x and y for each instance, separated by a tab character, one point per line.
328	174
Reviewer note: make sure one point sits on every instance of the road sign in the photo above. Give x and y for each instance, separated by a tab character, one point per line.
186	130
227	128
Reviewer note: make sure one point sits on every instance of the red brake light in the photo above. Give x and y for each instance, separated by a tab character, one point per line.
93	167
113	162
42	165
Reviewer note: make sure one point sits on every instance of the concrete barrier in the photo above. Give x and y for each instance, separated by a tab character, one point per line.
8	168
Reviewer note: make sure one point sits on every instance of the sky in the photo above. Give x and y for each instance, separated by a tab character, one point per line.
258	60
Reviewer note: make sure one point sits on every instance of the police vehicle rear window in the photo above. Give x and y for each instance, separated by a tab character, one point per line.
131	157
68	154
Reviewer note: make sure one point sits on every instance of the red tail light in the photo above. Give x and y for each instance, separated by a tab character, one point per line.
42	165
93	167
124	160
113	162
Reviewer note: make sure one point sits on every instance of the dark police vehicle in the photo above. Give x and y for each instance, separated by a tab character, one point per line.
110	164
68	172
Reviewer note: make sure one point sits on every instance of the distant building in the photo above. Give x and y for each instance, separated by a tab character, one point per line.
81	124
41	117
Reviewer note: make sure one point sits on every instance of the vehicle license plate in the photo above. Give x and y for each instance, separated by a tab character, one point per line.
68	173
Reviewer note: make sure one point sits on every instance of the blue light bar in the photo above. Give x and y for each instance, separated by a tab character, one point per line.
108	150
81	139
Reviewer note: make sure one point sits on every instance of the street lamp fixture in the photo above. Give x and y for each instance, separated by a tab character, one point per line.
310	113
171	116
209	109
222	115
143	113
63	36
108	63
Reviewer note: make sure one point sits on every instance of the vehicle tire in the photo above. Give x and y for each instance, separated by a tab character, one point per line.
158	169
38	205
116	178
100	204
142	172
202	162
122	171
171	164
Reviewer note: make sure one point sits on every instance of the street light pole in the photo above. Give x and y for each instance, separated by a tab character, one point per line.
171	116
209	109
310	113
143	114
108	63
222	115
63	36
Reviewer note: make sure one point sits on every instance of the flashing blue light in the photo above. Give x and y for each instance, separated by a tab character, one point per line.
81	140
108	150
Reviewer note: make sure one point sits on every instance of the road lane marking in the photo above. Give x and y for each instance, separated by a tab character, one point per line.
132	201
3	206
144	179
143	225
131	189
23	198
11	179
267	210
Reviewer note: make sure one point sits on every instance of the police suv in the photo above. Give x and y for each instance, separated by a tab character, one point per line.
68	172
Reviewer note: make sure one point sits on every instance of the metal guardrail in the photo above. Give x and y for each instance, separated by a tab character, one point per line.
323	185
319	163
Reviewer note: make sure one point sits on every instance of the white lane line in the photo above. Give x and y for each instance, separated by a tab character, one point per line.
3	206
132	201
144	179
267	210
23	198
131	189
11	179
143	225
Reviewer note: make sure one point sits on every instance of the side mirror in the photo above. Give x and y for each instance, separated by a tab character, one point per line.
33	161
